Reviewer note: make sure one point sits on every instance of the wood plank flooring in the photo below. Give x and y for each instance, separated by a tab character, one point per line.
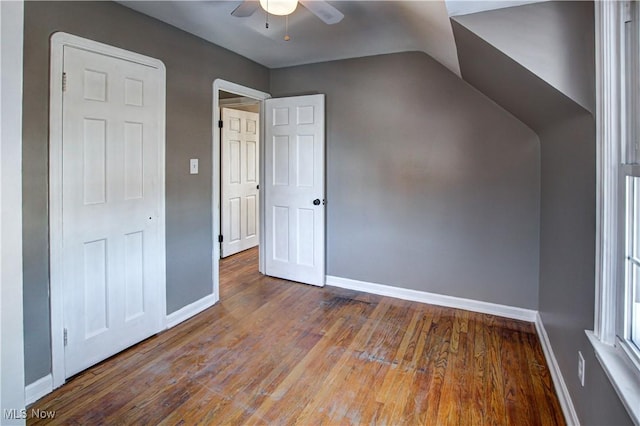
275	352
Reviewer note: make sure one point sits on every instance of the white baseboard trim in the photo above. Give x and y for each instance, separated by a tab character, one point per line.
190	310
38	389
570	415
434	299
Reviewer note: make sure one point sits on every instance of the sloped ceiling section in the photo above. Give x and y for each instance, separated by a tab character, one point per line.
369	28
552	40
512	86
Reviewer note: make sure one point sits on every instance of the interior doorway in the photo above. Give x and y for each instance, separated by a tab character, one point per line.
291	202
240	137
237	208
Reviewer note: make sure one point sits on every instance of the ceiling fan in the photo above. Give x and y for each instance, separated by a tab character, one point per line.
323	10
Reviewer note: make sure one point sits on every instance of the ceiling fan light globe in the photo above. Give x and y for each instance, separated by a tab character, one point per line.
279	7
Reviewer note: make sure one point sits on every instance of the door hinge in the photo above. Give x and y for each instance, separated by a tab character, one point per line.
65	337
626	12
220	124
64	81
220	238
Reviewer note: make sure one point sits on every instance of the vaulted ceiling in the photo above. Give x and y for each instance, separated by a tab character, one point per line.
369	28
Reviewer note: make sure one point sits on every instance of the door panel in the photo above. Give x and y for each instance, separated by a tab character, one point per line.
240	195
110	195
134	275
294	168
95	288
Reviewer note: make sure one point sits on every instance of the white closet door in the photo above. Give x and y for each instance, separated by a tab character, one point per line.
111	192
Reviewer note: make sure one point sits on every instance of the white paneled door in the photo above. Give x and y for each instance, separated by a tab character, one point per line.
239	164
111	197
294	192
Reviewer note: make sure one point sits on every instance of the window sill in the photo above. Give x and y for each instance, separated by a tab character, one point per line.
621	373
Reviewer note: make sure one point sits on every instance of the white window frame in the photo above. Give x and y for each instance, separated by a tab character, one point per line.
618	362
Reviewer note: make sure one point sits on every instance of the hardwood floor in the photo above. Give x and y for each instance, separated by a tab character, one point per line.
275	352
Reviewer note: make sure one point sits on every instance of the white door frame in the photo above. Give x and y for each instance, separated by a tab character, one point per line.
12	395
240	90
58	42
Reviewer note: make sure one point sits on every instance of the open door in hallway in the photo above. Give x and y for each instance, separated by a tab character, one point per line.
294	189
240	173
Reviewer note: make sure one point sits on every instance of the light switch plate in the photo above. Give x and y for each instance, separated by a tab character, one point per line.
193	166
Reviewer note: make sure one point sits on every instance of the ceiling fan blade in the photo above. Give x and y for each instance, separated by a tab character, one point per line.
323	10
245	9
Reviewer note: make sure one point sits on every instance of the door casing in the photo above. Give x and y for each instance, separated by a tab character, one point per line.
58	41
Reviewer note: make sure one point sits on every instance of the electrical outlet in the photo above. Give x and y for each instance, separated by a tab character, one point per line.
581	368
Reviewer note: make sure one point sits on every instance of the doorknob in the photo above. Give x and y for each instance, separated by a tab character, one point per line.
316	202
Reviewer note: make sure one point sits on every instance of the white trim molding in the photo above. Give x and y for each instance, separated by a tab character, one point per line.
11	285
619	367
622	374
608	132
190	310
568	409
434	299
38	389
246	93
58	41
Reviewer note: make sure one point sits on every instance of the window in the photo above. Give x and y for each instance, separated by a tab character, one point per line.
630	332
616	338
630	171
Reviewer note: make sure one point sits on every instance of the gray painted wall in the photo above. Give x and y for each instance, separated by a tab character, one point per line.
430	186
567	264
192	65
434	188
553	39
567	202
